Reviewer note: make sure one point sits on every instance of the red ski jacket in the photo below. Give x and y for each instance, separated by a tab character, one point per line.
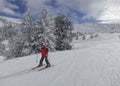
44	52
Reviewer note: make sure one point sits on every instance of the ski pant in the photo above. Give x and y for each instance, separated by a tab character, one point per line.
46	60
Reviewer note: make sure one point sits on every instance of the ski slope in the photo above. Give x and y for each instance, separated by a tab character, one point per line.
97	28
92	62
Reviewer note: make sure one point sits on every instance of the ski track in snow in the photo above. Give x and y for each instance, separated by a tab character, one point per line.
93	62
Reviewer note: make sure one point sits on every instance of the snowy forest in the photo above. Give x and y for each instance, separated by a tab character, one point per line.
17	40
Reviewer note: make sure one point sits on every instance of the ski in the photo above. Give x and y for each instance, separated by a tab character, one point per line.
37	67
43	68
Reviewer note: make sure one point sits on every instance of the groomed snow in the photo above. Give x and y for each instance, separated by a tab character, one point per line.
93	62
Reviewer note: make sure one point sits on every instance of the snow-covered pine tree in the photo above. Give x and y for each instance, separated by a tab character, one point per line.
28	30
47	27
1	41
8	33
16	43
37	38
64	27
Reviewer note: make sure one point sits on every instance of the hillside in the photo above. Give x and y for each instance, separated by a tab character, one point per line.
3	20
97	28
93	62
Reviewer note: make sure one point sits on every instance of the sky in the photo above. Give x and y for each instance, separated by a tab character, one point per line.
80	11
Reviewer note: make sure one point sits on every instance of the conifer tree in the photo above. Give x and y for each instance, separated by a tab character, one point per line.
28	30
47	27
63	32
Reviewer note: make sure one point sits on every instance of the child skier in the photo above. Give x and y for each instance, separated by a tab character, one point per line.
44	54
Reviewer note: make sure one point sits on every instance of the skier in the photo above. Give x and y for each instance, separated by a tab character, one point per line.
44	54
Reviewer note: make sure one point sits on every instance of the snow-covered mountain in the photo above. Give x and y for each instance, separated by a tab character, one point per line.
15	20
8	19
93	62
1	23
97	28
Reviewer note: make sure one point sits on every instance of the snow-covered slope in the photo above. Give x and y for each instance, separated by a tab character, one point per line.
93	62
1	24
97	28
8	19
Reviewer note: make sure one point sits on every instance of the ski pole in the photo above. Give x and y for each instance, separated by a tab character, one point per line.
36	58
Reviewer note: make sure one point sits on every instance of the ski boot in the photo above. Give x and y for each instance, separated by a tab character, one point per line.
39	65
48	65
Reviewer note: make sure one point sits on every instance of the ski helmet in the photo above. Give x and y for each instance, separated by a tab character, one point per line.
42	44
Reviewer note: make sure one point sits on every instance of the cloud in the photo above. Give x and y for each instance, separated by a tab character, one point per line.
111	11
10	12
91	8
2	4
36	6
12	6
8	8
104	10
99	10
